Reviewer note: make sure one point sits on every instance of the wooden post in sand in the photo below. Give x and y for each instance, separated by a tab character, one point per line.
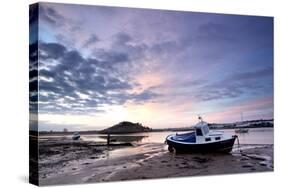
108	139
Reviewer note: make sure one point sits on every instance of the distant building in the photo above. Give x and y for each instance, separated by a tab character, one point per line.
65	130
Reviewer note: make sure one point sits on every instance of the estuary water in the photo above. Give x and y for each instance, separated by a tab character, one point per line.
254	136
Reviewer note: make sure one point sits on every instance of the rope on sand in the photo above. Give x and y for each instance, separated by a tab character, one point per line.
247	155
239	148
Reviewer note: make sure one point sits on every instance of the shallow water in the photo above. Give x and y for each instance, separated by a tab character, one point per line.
254	136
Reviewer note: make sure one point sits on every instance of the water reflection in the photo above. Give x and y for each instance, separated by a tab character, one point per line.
254	136
123	138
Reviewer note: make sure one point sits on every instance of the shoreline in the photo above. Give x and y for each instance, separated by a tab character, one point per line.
83	164
98	132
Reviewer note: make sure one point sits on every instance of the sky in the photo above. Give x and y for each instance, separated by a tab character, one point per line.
99	66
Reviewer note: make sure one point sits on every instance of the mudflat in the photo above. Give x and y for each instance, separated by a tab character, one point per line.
68	162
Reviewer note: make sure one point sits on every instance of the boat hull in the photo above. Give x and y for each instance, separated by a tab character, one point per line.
223	146
76	137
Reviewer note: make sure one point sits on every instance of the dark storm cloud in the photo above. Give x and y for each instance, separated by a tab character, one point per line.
71	83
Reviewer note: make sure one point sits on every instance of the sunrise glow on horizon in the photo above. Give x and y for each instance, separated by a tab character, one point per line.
99	66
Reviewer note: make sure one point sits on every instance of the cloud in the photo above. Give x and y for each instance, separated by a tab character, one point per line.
71	83
51	50
252	74
51	16
48	125
124	56
33	77
236	85
33	14
144	96
219	93
122	38
113	56
215	32
93	39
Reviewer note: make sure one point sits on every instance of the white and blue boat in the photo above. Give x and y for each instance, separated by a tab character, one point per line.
201	140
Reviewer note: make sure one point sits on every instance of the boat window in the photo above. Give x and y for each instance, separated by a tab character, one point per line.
207	139
205	129
217	138
199	132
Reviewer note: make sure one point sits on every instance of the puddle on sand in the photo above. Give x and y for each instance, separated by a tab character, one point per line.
246	147
265	160
140	149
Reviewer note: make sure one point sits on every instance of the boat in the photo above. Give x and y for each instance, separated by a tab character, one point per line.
201	140
76	136
241	130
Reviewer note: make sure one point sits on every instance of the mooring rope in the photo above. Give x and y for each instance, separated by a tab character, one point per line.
239	149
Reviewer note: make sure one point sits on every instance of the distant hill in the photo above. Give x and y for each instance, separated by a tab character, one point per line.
126	127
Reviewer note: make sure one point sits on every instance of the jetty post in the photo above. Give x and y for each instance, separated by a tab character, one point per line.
108	139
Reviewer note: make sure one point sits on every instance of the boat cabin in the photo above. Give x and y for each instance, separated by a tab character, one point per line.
203	133
201	129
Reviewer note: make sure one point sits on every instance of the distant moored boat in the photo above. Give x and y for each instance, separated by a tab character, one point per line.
76	136
241	130
201	140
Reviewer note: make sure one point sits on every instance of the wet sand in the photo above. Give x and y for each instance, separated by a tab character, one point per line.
69	162
257	159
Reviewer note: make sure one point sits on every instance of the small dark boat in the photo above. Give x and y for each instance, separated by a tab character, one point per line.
202	140
76	136
241	130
